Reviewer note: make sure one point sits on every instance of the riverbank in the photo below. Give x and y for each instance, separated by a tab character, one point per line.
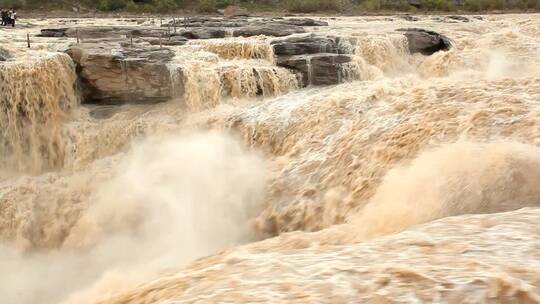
186	13
120	8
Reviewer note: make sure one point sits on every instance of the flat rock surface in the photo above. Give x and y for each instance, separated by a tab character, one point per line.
268	29
112	74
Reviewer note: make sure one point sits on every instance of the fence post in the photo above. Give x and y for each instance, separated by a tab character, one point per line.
28	39
77	34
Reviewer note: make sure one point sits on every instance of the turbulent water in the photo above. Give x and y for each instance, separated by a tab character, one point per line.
35	96
405	184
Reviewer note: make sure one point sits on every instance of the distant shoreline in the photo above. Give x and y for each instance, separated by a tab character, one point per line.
184	13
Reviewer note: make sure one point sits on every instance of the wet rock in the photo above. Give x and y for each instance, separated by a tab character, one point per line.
317	69
408	18
302	22
111	74
114	31
201	33
327	70
425	42
457	18
202	19
310	44
268	29
240	21
103	32
4	54
96	32
120	40
317	59
222	24
56	32
173	40
204	24
207	22
451	19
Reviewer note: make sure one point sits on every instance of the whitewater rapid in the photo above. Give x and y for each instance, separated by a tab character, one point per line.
111	204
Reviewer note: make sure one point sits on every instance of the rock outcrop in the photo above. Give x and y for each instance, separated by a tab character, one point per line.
410	18
425	42
301	22
317	59
317	69
113	67
310	44
201	33
104	32
172	40
272	29
4	54
53	32
211	23
458	18
100	32
191	28
451	19
240	21
207	22
110	74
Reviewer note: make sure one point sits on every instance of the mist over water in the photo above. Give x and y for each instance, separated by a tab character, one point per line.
455	179
169	200
404	184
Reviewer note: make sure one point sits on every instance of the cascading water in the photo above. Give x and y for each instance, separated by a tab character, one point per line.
388	53
231	67
206	85
35	98
246	48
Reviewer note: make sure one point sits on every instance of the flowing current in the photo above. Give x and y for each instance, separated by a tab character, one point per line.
416	180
